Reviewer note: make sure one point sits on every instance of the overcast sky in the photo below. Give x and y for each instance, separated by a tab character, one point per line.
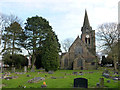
65	16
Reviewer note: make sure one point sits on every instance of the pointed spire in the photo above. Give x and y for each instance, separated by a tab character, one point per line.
86	20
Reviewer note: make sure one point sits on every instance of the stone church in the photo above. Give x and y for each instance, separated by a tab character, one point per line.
82	53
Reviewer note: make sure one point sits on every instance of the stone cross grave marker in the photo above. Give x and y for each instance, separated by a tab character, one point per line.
81	82
25	68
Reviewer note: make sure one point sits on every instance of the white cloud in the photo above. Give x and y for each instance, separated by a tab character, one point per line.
65	16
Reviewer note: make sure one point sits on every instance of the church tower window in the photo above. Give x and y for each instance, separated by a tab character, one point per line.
86	40
89	40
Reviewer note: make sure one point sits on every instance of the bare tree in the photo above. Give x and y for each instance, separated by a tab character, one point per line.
6	21
107	36
66	44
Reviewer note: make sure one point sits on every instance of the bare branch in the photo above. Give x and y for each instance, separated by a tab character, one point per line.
108	35
66	44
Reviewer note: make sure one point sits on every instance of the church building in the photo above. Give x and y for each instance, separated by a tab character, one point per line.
82	53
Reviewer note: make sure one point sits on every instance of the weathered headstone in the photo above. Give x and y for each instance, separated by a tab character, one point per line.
32	70
81	82
50	72
101	82
8	73
43	86
97	85
28	75
36	79
106	75
53	77
14	77
115	73
115	78
75	72
13	69
90	72
106	71
108	81
25	68
8	78
19	73
80	74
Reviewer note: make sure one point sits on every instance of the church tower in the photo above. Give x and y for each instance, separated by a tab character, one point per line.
88	35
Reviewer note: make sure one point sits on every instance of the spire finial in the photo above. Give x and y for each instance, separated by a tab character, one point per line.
86	21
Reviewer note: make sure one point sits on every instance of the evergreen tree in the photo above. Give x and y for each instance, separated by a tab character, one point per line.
36	30
17	60
50	56
11	38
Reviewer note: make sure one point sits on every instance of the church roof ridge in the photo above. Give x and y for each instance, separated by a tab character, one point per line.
75	41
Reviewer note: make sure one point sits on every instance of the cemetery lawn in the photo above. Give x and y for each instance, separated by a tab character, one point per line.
61	81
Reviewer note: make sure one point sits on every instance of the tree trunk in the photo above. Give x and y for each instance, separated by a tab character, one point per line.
33	62
13	44
115	63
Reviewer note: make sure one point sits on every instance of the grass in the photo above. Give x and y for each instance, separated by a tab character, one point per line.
66	82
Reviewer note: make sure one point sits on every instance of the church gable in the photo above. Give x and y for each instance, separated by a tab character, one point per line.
79	48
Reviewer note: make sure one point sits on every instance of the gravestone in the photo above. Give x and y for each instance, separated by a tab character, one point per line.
8	73
81	82
50	72
43	86
75	72
28	76
25	68
8	78
101	82
19	73
80	74
106	71
97	85
36	79
90	72
106	75
108	81
13	69
14	77
32	70
53	77
115	78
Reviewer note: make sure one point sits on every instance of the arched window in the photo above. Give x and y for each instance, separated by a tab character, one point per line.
89	40
66	62
79	63
86	40
78	50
